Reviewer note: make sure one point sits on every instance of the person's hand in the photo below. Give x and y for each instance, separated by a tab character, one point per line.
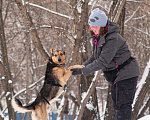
76	71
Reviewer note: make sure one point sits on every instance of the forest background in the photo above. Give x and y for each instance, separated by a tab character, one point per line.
30	28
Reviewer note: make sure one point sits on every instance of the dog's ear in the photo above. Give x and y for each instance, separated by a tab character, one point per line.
51	50
64	52
52	54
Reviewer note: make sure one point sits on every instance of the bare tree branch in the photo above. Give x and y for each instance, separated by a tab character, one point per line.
146	106
48	10
67	4
33	30
30	86
89	92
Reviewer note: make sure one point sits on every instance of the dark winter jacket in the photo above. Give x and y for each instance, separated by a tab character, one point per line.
111	50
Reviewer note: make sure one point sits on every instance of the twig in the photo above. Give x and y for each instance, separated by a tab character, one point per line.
53	12
30	86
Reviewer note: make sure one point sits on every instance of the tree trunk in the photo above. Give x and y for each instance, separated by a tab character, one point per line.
117	14
109	112
84	84
81	22
120	6
121	21
28	70
7	79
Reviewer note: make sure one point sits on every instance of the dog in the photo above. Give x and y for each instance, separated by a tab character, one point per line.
55	78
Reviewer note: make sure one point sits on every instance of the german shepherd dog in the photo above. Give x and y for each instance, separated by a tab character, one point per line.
55	79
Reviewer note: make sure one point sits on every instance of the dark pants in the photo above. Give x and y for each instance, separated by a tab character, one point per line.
122	95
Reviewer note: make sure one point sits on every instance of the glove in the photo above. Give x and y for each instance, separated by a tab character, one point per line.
77	71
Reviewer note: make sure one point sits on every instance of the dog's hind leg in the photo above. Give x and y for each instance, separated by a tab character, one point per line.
40	112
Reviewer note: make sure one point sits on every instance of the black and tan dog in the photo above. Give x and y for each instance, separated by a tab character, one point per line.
55	79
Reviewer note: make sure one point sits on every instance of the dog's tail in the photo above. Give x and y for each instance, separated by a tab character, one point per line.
17	105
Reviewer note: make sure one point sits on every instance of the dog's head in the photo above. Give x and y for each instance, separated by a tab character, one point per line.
58	56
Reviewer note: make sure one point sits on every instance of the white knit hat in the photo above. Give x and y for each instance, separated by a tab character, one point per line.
98	18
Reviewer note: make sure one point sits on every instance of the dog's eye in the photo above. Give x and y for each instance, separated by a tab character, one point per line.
61	54
55	55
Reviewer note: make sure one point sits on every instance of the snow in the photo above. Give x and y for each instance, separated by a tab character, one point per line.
134	1
143	106
84	95
1	114
79	7
60	107
145	118
23	2
7	93
9	81
142	82
56	13
3	77
72	93
102	88
90	106
6	118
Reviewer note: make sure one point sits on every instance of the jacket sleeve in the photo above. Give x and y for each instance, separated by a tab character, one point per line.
107	54
89	60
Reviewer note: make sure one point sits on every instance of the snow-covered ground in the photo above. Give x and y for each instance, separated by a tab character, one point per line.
145	118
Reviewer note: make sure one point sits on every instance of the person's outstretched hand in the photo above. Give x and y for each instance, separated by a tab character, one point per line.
76	71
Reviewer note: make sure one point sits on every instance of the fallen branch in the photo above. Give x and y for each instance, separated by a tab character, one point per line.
85	100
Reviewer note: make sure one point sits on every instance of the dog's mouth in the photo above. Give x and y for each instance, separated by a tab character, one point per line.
59	61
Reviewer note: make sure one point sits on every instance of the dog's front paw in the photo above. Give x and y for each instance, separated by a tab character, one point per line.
76	66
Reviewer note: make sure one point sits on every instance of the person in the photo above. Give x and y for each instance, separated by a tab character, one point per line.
111	55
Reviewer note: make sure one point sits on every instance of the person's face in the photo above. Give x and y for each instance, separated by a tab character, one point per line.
95	29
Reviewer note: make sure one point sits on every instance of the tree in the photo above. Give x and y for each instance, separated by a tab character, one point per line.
81	27
117	14
6	79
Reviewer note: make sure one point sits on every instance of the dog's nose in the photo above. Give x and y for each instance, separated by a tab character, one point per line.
59	60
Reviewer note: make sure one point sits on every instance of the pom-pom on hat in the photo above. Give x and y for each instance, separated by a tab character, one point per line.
98	18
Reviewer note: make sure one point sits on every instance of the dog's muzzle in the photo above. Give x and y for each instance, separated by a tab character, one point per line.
59	60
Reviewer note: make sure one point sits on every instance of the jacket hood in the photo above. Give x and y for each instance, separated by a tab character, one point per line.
112	27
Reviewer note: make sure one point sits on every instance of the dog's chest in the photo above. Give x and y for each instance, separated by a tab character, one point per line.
59	72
